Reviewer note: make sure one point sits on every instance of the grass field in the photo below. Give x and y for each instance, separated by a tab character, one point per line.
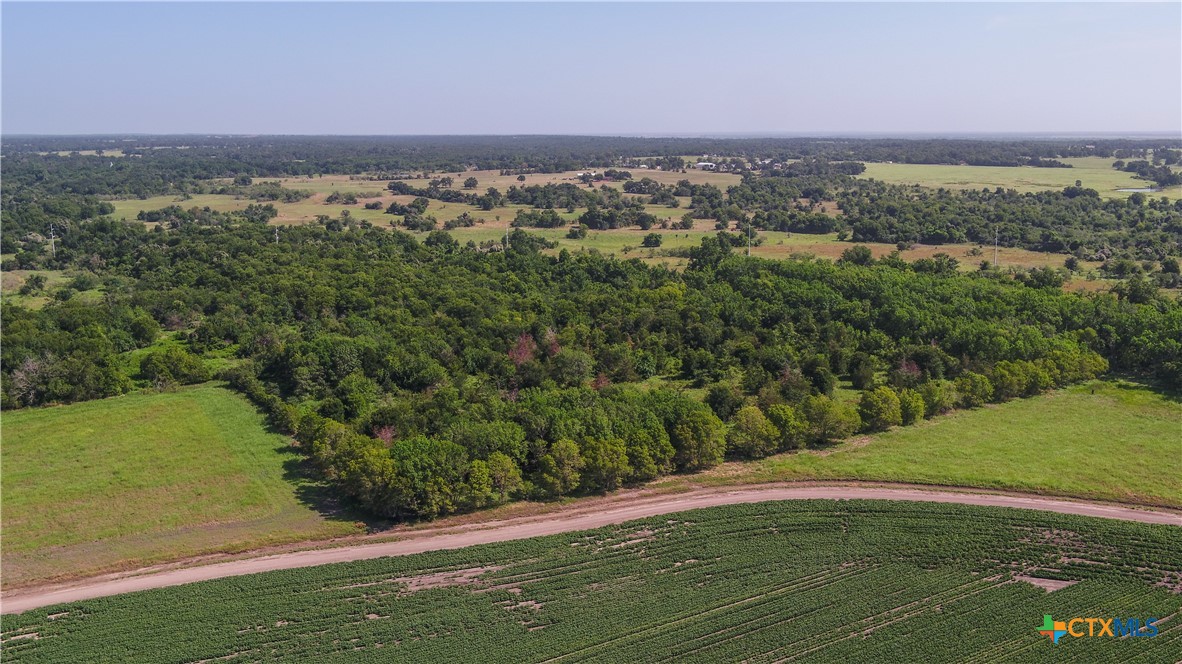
1123	442
1094	172
850	581
12	280
144	477
491	225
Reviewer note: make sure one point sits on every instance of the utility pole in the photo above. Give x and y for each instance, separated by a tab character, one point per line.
995	265
750	230
52	249
276	235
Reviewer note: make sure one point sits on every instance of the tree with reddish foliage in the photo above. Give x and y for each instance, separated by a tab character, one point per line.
551	340
523	351
385	434
601	381
906	374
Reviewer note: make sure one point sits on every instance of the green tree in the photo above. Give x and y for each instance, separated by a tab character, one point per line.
974	389
880	409
698	440
651	240
752	435
724	399
828	420
605	464
792	427
34	283
857	255
504	475
471	183
939	397
174	364
558	471
911	406
478	486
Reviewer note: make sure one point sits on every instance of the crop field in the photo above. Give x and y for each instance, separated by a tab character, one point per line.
144	477
1094	172
1108	440
768	582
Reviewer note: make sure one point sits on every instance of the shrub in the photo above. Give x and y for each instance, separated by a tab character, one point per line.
752	435
880	409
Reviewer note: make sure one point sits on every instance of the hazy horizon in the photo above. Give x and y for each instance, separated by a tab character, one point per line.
660	70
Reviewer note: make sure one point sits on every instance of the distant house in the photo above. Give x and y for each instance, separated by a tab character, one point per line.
705	165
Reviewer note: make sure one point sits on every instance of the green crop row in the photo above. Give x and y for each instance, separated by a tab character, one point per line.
830	581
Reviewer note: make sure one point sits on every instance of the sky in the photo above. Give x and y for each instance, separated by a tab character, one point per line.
604	68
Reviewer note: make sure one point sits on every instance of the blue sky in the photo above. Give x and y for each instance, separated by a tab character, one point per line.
368	68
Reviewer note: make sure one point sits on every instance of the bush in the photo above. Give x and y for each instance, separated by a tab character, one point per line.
828	420
880	409
174	364
724	399
911	406
974	389
792	427
752	435
939	397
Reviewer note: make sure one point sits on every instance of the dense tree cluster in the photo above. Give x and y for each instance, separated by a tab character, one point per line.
426	378
1075	220
1160	174
431	377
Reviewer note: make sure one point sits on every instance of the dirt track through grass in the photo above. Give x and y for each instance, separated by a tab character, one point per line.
551	524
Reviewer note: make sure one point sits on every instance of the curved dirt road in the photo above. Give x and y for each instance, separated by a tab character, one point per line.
549	524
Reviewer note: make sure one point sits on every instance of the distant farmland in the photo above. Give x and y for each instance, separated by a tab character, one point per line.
623	242
850	581
1094	172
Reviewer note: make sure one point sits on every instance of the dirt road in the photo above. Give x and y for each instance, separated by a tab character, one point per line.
456	537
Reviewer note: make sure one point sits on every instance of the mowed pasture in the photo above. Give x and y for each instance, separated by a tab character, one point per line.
1094	172
132	480
826	581
1109	440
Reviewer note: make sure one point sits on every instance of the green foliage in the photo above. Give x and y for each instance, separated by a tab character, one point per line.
752	435
911	406
174	364
974	390
880	409
699	440
792	427
605	464
495	349
558	470
504	476
725	584
724	399
939	397
828	420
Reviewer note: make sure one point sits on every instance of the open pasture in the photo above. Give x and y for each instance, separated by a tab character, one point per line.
1094	172
1109	440
491	225
778	581
131	480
